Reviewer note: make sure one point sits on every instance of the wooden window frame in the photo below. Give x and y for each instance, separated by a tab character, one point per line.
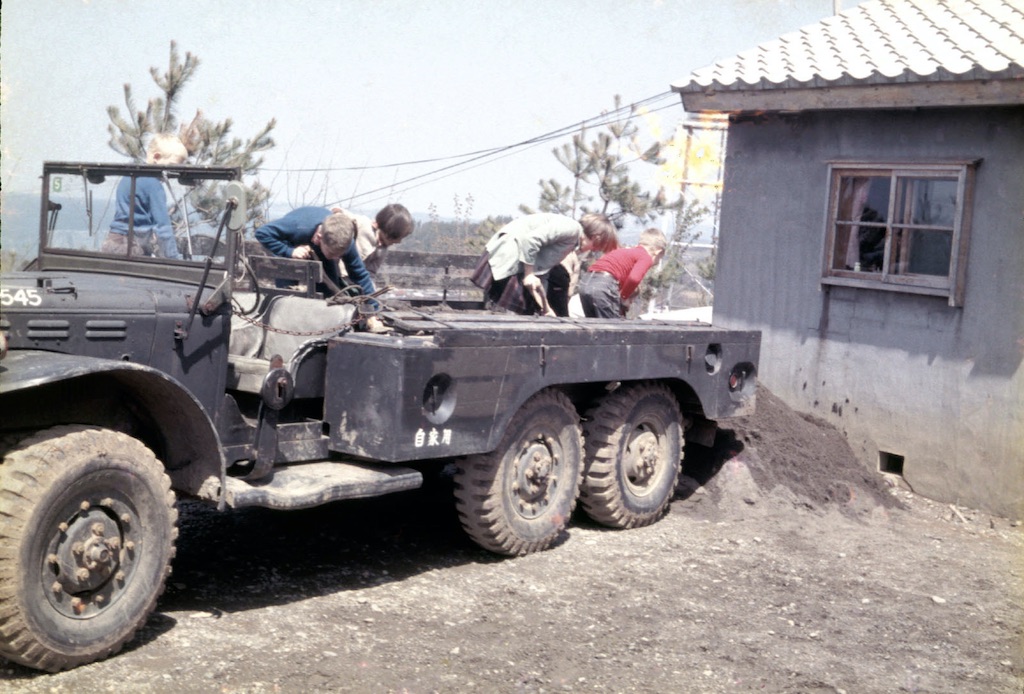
950	286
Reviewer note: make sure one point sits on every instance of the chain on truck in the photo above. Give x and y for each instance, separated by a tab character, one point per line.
129	380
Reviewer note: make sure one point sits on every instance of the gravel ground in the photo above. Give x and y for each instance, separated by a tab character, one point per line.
783	566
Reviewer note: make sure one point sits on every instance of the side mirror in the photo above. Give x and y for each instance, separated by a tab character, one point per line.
235	192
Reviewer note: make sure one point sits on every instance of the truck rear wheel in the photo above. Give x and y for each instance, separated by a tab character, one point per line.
633	455
87	533
519	498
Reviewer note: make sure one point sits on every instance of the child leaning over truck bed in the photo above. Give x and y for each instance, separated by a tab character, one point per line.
392	224
309	233
610	283
525	249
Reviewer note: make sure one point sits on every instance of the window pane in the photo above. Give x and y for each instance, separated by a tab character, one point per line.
863	205
930	201
861	247
921	252
79	213
863	198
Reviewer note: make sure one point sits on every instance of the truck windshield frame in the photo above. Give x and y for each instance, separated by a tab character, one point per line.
111	218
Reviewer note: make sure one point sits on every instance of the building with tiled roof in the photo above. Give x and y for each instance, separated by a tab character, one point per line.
903	52
872	227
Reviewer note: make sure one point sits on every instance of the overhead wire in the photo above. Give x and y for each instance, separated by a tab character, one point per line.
447	172
604	118
470	160
487	156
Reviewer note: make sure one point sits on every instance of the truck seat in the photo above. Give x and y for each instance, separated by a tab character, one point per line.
273	332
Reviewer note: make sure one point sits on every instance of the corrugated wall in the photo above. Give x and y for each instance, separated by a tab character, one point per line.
909	375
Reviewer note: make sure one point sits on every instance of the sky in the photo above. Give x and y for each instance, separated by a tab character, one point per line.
358	86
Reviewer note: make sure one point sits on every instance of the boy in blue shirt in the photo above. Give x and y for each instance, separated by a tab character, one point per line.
148	210
316	232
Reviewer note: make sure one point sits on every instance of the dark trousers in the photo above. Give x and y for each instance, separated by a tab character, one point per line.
508	293
558	281
599	295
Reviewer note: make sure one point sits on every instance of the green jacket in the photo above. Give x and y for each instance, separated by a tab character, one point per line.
541	240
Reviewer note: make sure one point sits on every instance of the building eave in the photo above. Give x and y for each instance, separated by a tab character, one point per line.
874	96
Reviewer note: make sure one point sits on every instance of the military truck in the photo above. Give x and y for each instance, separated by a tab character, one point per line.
129	380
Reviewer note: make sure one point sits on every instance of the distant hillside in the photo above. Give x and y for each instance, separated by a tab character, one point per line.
19	224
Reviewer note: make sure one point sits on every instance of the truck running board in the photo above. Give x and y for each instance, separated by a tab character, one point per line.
306	485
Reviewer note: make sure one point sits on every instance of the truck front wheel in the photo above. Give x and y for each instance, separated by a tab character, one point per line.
633	456
87	533
518	498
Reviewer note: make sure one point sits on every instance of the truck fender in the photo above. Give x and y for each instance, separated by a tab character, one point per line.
133	398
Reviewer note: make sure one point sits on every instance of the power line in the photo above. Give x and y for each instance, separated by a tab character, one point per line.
595	121
475	159
459	167
394	190
448	171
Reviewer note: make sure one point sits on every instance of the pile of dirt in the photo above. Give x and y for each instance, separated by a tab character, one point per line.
780	452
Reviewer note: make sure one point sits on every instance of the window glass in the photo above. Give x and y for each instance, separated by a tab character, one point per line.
861	223
929	201
863	198
921	252
171	220
79	213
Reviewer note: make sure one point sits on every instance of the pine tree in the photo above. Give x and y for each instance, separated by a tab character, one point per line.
209	143
601	173
601	167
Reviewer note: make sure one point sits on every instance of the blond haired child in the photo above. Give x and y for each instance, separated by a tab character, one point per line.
610	283
148	210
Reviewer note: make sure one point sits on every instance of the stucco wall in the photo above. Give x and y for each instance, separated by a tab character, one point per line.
941	386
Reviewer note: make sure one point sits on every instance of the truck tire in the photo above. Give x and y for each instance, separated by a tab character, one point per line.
518	498
87	533
633	456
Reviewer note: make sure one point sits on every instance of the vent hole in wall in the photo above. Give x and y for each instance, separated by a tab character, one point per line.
890	463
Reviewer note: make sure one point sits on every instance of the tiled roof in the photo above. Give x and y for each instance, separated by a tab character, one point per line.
881	42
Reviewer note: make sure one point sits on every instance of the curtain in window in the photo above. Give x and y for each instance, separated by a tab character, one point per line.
853	199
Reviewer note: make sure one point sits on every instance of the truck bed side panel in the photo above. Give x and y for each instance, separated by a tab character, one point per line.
451	388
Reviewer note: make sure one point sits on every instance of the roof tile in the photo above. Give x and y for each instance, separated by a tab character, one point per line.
882	42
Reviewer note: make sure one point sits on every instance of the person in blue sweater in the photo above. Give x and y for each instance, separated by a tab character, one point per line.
151	222
316	232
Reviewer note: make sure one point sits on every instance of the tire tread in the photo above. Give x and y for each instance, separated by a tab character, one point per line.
27	470
602	495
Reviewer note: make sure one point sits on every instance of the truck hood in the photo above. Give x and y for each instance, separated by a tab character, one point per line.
59	292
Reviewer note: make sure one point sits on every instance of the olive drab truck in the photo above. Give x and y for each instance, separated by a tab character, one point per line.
128	380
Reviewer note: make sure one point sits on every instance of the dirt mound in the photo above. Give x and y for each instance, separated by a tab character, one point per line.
780	452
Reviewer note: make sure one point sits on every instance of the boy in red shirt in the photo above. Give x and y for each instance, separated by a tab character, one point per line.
611	281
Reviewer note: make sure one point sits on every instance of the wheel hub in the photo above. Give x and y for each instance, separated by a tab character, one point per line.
643	457
535	475
90	557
